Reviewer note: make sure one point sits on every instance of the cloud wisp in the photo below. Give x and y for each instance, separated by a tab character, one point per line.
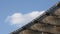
22	19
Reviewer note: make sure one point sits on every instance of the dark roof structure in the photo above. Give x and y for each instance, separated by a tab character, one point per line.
47	23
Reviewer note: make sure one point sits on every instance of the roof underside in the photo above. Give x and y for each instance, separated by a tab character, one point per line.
39	18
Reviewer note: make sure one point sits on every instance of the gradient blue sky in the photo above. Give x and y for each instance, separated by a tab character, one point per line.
8	7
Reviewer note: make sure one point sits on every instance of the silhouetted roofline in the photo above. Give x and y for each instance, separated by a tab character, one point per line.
48	12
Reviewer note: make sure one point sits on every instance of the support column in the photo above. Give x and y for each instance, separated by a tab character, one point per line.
42	32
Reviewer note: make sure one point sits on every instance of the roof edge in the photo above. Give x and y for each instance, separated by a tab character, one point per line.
48	11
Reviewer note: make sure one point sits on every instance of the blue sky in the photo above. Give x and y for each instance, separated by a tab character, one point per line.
9	9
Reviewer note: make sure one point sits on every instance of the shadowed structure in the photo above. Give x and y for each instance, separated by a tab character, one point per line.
47	23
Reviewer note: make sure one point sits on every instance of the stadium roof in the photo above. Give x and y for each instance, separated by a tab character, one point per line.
48	12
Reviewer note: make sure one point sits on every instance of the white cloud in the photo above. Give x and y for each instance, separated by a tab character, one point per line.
22	19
